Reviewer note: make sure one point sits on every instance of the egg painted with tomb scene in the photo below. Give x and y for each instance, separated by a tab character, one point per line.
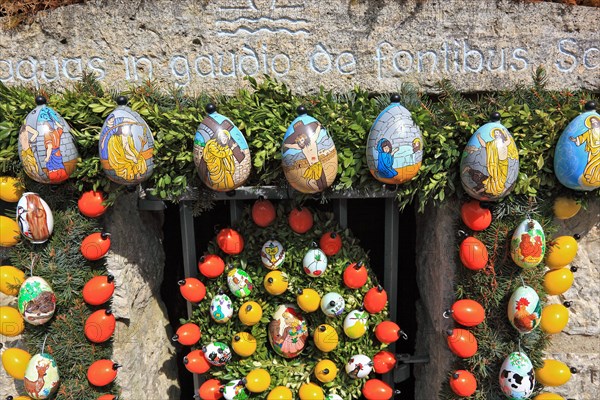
394	145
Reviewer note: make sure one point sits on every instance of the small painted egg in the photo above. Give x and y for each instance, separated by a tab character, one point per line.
490	162
217	353
517	379
41	376
394	145
359	366
308	155
314	262
332	304
221	153
524	309
46	148
37	301
272	254
235	390
221	308
126	146
356	323
34	218
288	331
239	282
528	244
333	396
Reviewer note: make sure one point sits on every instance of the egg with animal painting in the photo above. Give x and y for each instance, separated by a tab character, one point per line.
35	218
524	309
288	332
36	301
308	155
528	244
46	148
272	254
126	146
359	366
217	353
221	153
41	377
239	282
577	153
394	145
517	378
235	390
489	165
221	308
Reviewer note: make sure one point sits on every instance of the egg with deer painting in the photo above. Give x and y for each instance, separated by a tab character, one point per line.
528	244
41	377
524	309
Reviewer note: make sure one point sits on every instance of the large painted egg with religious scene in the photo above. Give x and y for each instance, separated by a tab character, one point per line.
46	148
577	153
395	145
490	162
288	331
308	155
221	153
126	146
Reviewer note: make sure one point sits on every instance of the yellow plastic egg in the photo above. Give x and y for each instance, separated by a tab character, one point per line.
310	391
558	281
11	189
244	344
325	371
9	232
565	208
326	338
548	396
22	398
250	313
554	318
11	321
15	361
280	393
308	300
276	282
258	380
11	279
553	373
561	252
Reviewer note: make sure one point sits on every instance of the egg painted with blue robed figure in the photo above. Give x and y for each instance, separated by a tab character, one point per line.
308	155
394	145
489	166
126	146
577	153
46	148
221	153
517	378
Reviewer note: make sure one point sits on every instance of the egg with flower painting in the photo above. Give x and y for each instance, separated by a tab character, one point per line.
36	301
272	254
239	282
356	323
288	331
524	309
221	308
35	218
517	378
528	244
394	145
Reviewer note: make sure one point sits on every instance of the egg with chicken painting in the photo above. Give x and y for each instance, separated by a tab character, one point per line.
528	244
524	309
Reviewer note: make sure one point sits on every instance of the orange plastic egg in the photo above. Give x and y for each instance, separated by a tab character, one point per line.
330	243
102	372
188	334
375	300
475	216
210	390
211	266
90	204
473	254
300	220
230	241
467	312
375	389
100	326
192	289
98	290
106	397
263	213
195	362
384	362
95	246
461	342
355	275
463	383
388	332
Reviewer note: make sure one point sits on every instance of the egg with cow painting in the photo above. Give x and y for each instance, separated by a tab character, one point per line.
524	309
36	301
221	308
272	254
314	262
35	218
517	378
490	162
41	377
394	145
239	282
528	244
288	331
217	353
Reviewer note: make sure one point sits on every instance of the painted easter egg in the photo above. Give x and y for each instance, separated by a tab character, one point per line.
41	377
314	262
235	390
288	331
34	218
95	246
359	366
394	145
517	379
37	301
239	282
126	146
554	373
217	353
490	162
524	309
528	244
332	304
221	308
46	148
326	338
577	153
272	254
221	153
333	396
356	323
330	243
308	155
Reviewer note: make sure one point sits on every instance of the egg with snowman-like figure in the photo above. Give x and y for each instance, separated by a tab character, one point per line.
272	254
332	304
221	308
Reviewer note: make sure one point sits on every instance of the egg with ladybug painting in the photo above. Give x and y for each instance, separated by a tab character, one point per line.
314	262
517	378
524	309
528	244
359	366
272	254
239	282
217	353
35	218
36	301
221	308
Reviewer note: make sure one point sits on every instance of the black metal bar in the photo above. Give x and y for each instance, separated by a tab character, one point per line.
390	265
340	209
235	210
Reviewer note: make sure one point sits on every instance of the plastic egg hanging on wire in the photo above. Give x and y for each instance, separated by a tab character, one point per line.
490	162
46	148
394	145
126	146
221	153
